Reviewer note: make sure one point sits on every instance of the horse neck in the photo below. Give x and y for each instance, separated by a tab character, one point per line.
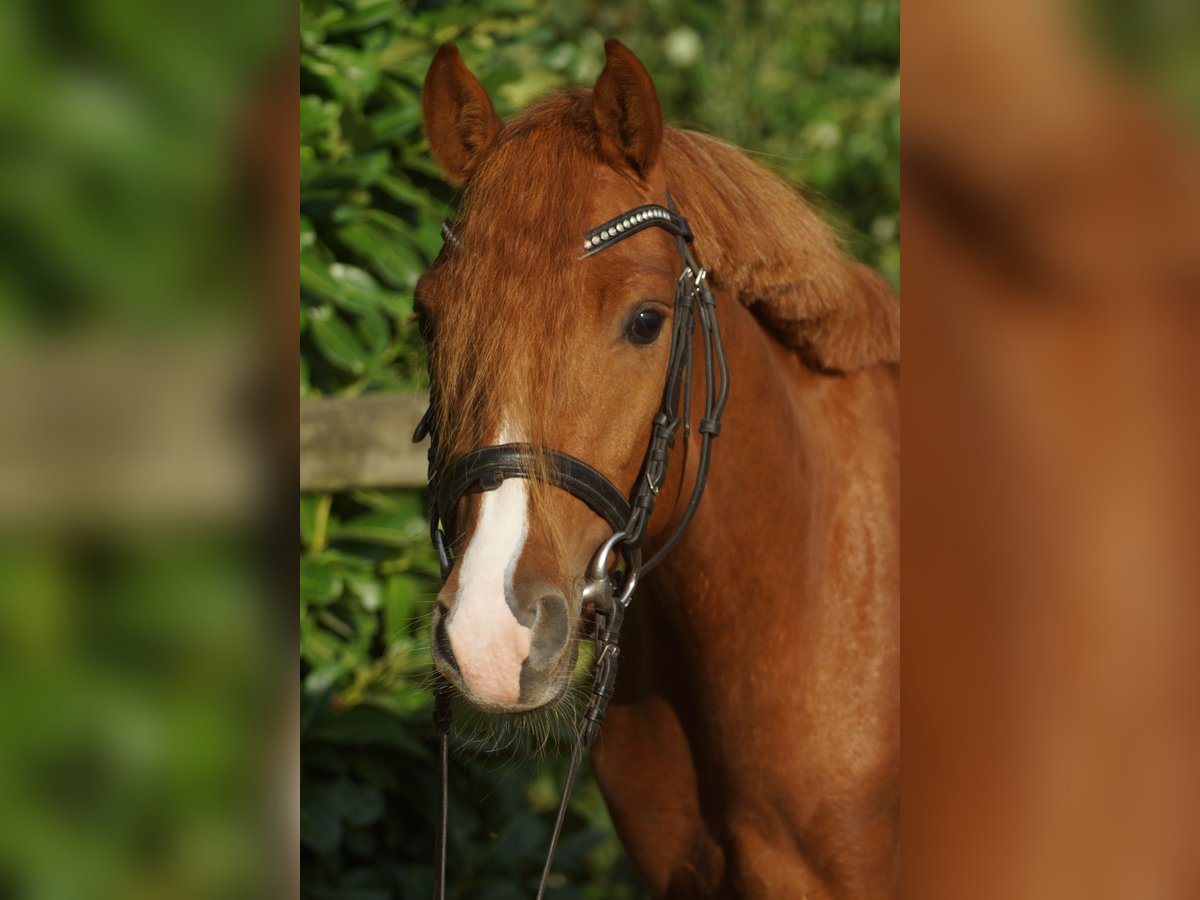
787	472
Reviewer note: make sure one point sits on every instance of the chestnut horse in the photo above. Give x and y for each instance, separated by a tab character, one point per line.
752	748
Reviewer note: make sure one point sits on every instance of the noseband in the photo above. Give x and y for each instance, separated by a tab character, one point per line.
486	468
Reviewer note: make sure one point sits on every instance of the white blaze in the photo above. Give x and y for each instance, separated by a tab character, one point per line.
488	642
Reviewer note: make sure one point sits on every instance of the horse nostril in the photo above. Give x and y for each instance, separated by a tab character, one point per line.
550	629
442	639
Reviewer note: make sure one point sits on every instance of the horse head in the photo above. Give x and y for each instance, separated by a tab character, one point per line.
534	342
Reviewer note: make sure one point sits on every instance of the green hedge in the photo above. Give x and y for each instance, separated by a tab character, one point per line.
812	90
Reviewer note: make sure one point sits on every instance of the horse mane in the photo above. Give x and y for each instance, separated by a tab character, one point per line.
761	240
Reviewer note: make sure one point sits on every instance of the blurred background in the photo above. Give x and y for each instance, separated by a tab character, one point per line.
812	91
1051	384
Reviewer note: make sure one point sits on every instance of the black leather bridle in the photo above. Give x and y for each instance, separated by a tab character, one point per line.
486	468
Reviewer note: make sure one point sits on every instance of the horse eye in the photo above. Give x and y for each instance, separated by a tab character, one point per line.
644	327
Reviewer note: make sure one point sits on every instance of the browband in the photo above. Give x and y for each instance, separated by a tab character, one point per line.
650	215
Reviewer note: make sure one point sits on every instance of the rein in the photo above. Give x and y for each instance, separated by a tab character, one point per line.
486	468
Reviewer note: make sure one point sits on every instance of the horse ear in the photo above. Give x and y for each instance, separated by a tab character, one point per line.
625	106
460	121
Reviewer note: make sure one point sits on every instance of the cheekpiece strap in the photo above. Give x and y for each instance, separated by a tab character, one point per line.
649	216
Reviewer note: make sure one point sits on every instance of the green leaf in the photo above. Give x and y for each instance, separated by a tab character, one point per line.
310	167
368	725
383	241
325	675
418	160
320	829
350	74
361	170
400	307
347	562
354	289
391	124
367	589
317	116
337	342
519	839
401	597
374	767
409	503
387	529
359	804
402	189
408	54
376	334
366	14
315	278
428	239
308	517
323	652
319	584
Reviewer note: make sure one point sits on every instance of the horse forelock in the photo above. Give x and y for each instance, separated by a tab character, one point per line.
508	286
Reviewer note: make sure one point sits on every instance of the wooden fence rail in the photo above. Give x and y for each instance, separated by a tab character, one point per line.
361	442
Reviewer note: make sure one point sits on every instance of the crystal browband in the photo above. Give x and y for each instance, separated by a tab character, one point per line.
631	223
615	229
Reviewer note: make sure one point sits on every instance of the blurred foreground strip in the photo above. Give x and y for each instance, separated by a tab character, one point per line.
1052	571
140	668
125	432
141	728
